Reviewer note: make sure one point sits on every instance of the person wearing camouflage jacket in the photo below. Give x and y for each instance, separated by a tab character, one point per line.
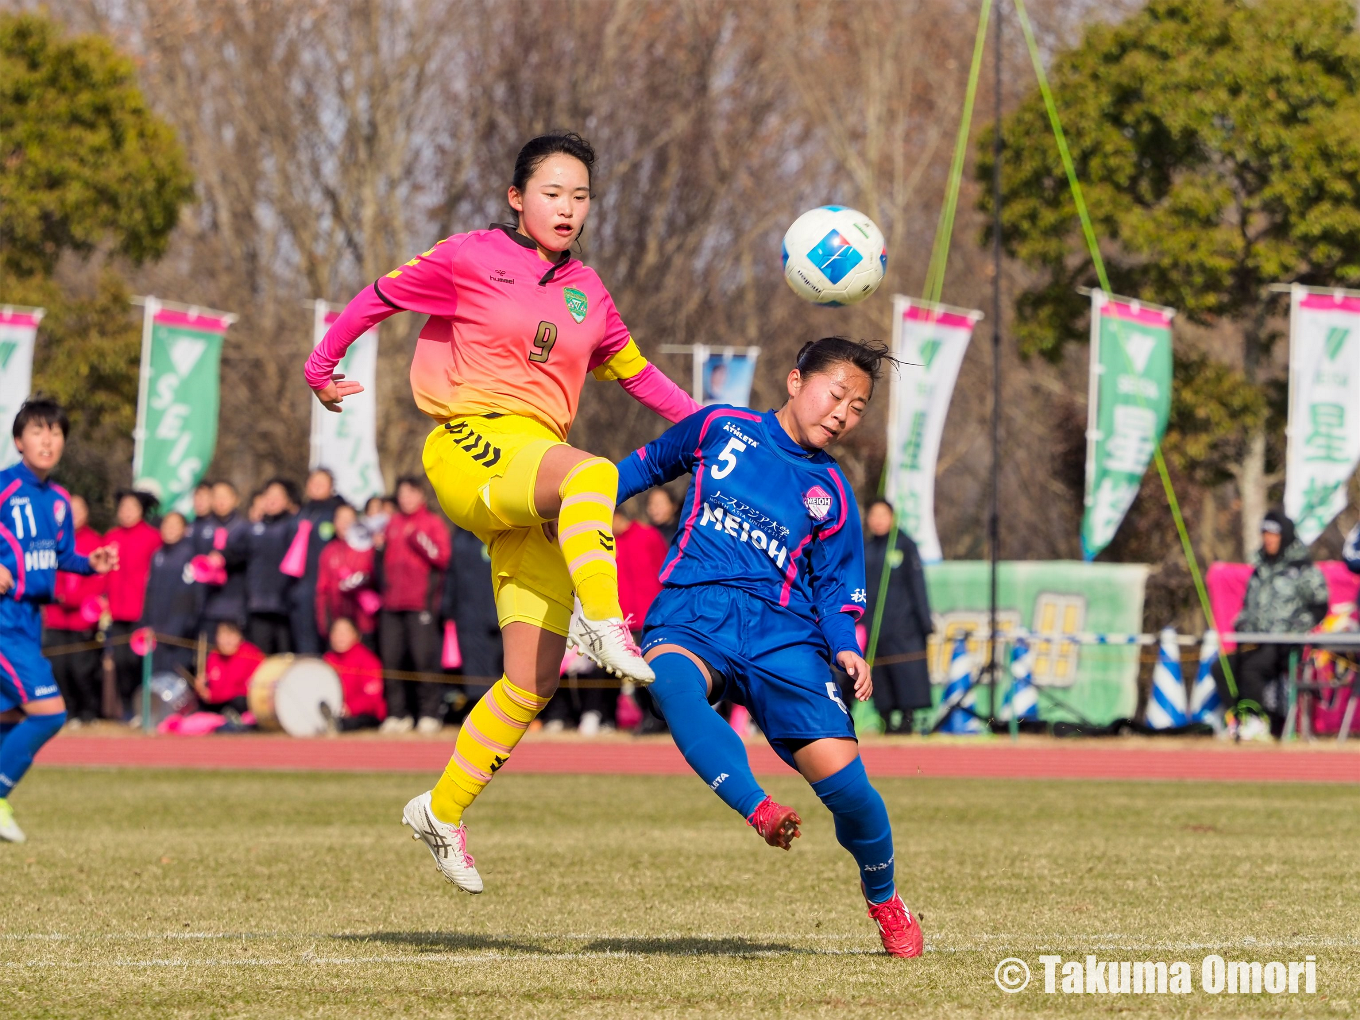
1287	594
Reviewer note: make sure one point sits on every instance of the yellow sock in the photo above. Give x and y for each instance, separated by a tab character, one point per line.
488	735
585	531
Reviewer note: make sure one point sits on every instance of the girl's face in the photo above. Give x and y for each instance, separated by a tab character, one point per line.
129	511
554	203
825	406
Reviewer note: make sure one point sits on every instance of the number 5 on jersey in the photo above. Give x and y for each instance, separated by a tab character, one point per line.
728	459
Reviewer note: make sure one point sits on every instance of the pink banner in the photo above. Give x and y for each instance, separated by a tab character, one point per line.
917	313
1227	584
207	323
1147	316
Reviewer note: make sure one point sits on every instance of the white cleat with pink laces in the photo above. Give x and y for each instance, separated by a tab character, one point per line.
448	843
610	645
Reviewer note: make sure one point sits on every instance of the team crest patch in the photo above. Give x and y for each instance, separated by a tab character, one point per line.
59	512
576	303
818	503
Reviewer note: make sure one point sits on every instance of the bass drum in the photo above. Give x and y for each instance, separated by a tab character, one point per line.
297	695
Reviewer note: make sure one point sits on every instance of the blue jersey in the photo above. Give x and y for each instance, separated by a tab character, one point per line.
762	515
37	538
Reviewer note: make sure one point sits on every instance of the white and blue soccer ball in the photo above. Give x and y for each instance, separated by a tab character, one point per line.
834	255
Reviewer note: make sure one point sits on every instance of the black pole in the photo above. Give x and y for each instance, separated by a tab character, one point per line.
994	518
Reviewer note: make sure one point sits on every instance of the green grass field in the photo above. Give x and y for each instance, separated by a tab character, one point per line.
178	894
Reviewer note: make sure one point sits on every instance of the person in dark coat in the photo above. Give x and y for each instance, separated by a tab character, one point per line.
222	539
902	684
318	514
470	602
268	589
174	600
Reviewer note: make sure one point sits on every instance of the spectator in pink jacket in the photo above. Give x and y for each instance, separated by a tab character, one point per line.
415	553
136	542
345	579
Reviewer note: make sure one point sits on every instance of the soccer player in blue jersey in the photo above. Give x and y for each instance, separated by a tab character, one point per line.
760	593
37	538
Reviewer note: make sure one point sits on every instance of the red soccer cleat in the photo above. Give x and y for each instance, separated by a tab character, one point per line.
897	927
777	824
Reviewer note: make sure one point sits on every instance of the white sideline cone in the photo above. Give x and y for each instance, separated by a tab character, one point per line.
1166	705
959	690
1205	706
1022	698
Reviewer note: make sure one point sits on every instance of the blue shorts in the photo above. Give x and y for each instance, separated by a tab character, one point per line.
25	675
771	661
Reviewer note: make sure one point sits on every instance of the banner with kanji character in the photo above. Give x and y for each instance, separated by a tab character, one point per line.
18	328
177	400
346	444
930	340
1129	404
1323	444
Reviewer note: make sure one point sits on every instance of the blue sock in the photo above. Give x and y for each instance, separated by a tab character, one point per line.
22	743
708	743
861	826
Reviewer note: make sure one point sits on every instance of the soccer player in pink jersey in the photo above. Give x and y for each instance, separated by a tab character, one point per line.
515	323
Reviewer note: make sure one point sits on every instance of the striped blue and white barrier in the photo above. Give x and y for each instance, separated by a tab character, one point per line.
1022	697
958	691
1205	706
1166	706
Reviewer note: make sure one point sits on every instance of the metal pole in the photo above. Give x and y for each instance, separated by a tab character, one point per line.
994	518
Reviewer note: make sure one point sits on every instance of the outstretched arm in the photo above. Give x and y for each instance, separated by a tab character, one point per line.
646	383
668	456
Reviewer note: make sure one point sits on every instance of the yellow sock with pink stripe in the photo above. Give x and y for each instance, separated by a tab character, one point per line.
585	531
488	735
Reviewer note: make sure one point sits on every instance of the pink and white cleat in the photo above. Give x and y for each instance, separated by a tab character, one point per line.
446	843
610	645
899	930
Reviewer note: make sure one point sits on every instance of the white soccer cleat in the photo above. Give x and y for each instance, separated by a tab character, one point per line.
448	843
610	645
9	828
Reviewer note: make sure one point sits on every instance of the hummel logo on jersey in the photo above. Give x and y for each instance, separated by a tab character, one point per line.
818	503
496	765
469	440
500	276
730	524
606	541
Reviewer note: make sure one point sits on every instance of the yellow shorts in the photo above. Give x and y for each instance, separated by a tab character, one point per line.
483	470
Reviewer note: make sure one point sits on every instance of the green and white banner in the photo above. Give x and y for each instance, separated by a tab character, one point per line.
931	341
18	328
177	400
1323	444
1129	403
346	444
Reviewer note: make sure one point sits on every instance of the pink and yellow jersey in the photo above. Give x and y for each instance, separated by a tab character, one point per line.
508	332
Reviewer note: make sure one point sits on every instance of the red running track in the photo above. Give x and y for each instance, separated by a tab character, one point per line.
995	759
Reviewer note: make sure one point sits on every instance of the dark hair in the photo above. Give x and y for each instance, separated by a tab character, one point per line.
822	355
410	480
289	487
322	471
175	513
536	150
232	625
148	501
877	501
204	484
43	411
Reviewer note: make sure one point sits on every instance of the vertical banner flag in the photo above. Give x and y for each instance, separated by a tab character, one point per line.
723	375
347	443
1323	444
177	399
18	327
931	341
1129	404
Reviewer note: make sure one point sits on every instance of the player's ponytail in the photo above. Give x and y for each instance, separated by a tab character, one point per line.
824	354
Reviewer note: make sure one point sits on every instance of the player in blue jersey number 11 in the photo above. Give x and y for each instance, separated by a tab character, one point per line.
37	538
760	593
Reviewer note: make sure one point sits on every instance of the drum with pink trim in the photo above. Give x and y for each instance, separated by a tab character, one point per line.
296	694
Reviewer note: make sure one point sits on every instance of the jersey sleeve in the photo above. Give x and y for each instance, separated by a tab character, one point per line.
423	285
836	573
668	456
646	383
67	558
616	336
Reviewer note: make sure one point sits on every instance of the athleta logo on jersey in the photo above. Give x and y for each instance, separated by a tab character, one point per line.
730	524
40	559
818	503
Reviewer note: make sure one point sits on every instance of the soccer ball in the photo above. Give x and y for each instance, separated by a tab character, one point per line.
834	256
